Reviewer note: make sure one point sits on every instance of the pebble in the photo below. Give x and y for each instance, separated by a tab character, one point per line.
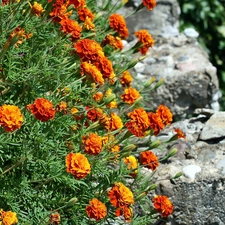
190	171
191	32
139	67
221	165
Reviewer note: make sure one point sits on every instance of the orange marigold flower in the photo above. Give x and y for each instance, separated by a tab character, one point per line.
150	4
94	114
115	42
92	144
126	78
74	110
163	205
10	117
92	73
37	9
42	109
114	123
130	95
96	210
165	114
132	164
145	39
85	12
127	212
180	133
149	159
78	3
120	196
62	106
156	123
77	164
55	218
88	25
8	218
72	27
88	50
118	24
98	96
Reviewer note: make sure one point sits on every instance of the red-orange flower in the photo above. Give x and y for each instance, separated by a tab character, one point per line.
72	27
130	95
145	39
165	114
8	218
150	4
118	24
62	106
77	164
55	218
78	3
42	109
114	122
149	159
156	123
179	132
88	50
115	42
126	211
37	9
163	205
120	195
96	210
92	144
94	114
10	117
126	78
85	12
92	73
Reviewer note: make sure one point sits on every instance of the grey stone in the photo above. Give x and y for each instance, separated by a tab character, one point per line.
221	165
191	32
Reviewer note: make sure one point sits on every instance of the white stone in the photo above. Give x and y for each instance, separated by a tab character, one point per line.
190	171
139	67
191	32
140	76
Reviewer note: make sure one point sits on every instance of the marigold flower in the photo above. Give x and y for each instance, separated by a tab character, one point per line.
126	78
10	117
92	144
115	42
145	39
77	164
85	12
150	4
78	3
92	73
8	218
55	218
130	95
112	104
42	109
88	25
180	133
118	24
88	50
62	106
94	114
37	9
149	159
96	210
120	196
132	164
74	110
165	114
156	123
127	212
114	123
98	96
109	142
72	27
163	205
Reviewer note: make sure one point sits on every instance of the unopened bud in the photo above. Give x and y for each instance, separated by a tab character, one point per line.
159	83
152	187
71	202
134	62
98	15
149	82
172	152
154	144
137	101
179	174
139	197
109	99
93	126
129	148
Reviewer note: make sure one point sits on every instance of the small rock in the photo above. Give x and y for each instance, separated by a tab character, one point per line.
139	67
221	165
190	171
191	32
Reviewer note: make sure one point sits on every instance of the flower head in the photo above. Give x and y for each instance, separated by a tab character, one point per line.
156	123
149	159
118	24
180	133
132	164
145	39
83	13
126	211
55	218
42	109
37	9
126	78
96	209
8	218
62	107
88	25
77	164
92	144
120	195
98	96
130	95
163	205
150	4
165	114
115	42
114	122
94	114
10	117
78	3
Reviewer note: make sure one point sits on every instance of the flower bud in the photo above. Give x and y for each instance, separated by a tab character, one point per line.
152	187
134	62
159	83
129	148
149	82
93	126
72	201
139	197
154	144
137	101
172	152
109	99
179	174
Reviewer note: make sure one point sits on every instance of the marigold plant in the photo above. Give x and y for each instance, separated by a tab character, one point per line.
163	205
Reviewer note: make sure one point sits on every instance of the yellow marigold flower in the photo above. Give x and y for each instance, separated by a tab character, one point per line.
62	106
112	105
98	96
130	95
37	9
150	4
10	117
163	205
77	164
114	123
88	25
74	110
8	218
120	195
132	164
92	144
126	78
96	209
